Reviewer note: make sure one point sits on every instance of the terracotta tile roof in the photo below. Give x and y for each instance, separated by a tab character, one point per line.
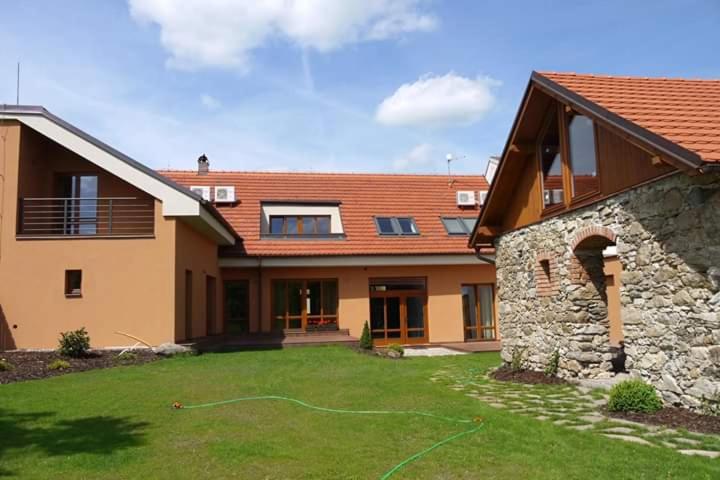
362	196
686	112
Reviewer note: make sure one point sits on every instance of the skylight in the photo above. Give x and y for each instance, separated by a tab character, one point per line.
459	225
396	226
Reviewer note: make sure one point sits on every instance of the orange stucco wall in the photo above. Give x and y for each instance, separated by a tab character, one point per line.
445	322
195	253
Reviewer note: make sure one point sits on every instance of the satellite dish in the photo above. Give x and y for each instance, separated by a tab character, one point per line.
449	157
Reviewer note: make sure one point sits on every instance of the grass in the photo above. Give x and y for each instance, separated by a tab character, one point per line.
118	424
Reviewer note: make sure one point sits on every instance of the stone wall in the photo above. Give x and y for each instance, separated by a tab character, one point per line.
668	241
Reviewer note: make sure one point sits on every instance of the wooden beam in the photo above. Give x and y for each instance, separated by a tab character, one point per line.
657	161
524	148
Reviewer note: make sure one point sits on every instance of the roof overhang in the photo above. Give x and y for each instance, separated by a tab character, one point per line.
354	261
177	201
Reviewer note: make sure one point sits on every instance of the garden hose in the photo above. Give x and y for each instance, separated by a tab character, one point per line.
396	468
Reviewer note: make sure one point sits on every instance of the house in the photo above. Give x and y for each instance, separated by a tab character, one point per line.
91	238
604	213
333	250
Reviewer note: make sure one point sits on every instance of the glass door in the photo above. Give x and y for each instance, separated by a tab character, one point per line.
237	307
478	303
398	311
81	206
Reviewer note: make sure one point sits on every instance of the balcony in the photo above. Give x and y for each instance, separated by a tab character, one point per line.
86	217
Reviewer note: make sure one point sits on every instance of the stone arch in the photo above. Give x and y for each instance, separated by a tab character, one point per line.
592	238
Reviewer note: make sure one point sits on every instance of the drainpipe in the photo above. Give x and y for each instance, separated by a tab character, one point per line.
484	258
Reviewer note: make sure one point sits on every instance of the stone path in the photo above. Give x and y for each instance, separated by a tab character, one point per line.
575	407
431	352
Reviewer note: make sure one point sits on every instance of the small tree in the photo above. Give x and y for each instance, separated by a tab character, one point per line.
366	341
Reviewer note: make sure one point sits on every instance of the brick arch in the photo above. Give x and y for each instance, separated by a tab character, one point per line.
594	237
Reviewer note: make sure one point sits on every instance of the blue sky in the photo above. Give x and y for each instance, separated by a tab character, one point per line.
357	85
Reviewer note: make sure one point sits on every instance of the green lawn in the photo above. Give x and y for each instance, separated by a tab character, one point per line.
118	424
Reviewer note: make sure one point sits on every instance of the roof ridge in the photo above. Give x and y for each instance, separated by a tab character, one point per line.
625	77
354	174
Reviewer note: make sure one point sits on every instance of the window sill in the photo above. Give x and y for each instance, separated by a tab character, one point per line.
73	295
284	236
584	198
553	209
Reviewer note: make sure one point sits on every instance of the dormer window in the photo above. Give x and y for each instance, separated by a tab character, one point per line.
287	220
551	162
583	156
396	226
300	225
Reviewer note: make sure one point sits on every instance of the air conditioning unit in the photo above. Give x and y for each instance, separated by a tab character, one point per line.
466	198
204	192
482	195
224	194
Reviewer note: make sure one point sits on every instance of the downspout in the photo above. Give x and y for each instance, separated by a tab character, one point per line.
484	258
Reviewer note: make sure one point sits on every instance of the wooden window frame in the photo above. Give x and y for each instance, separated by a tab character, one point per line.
547	121
403	330
478	327
576	199
299	219
69	291
323	319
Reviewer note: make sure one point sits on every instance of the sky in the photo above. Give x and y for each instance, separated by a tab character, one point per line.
328	85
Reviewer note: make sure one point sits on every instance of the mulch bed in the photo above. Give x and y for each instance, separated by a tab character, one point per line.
505	374
674	417
34	365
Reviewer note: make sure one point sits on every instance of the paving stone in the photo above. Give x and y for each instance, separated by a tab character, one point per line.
542	418
628	422
561	421
687	441
497	405
702	453
593	418
620	430
628	438
581	427
670	445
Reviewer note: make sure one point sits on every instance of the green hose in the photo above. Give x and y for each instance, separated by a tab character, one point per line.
393	470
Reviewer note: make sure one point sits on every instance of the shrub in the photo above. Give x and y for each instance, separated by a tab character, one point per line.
75	343
396	348
366	341
59	365
552	368
710	405
5	366
516	363
127	356
634	396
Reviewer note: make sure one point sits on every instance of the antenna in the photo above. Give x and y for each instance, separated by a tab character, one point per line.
17	87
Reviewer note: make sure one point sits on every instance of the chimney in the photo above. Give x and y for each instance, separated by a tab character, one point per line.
203	165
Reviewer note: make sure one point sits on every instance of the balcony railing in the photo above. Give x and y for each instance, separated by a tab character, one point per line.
83	217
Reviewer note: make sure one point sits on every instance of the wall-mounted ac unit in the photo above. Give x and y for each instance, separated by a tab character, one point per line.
482	196
204	192
466	198
224	194
553	196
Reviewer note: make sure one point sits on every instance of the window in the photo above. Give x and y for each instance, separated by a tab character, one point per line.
300	225
396	226
305	304
478	302
73	283
81	204
583	161
459	225
550	159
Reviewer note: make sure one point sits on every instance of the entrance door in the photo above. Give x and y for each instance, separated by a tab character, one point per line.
398	311
237	307
210	303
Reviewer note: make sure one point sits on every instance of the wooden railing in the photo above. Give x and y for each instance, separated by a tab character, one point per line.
82	217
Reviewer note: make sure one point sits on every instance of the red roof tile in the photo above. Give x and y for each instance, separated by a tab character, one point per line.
686	112
362	196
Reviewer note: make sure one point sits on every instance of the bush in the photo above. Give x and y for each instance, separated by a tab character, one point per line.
59	365
127	357
75	343
552	368
366	341
516	363
634	396
5	366
396	348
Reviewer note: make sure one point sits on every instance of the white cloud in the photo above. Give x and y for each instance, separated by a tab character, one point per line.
438	101
210	102
419	158
223	33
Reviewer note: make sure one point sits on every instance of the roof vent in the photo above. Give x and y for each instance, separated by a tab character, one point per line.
203	165
466	198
